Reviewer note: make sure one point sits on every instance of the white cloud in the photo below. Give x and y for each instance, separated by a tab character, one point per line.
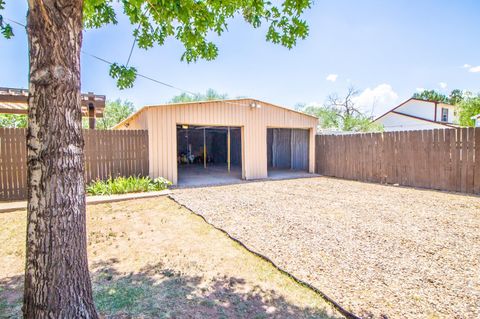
377	100
443	85
332	77
420	90
474	69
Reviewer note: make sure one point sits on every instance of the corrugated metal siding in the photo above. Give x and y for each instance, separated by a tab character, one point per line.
161	123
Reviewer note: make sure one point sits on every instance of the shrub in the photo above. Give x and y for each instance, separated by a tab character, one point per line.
123	185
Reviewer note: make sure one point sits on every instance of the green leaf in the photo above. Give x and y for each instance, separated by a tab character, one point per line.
5	28
124	75
96	13
7	31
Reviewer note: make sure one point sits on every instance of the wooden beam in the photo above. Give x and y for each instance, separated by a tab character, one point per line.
13	98
204	149
13	111
98	101
228	149
91	116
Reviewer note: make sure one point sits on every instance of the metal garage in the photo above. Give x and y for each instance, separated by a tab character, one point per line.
213	141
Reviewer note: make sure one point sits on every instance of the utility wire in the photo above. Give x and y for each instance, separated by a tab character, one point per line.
141	75
16	22
135	38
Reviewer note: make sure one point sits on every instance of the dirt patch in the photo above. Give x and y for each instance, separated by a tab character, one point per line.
152	258
380	251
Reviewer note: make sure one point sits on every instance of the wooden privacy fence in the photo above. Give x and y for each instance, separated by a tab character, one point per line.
107	153
443	159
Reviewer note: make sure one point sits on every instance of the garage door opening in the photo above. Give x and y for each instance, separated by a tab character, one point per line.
287	152
208	155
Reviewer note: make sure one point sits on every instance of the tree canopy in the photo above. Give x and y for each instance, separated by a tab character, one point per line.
114	113
455	97
209	95
341	112
431	95
191	22
469	107
5	28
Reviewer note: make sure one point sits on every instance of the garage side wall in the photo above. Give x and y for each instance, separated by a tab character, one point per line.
161	122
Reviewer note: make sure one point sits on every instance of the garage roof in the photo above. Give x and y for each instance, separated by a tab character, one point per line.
234	102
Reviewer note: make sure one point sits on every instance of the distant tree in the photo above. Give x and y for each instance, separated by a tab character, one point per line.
327	117
431	95
209	95
469	107
341	112
456	97
299	106
344	105
13	120
114	113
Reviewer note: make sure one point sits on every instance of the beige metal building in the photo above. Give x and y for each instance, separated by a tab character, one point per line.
228	139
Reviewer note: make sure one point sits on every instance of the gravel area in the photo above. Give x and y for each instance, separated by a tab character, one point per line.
379	251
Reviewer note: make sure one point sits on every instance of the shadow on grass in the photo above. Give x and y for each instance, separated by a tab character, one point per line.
159	292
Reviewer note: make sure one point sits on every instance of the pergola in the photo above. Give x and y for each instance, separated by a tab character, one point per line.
15	101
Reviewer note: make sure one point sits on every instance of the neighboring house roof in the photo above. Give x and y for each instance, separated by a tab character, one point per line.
412	99
422	119
234	102
475	117
15	101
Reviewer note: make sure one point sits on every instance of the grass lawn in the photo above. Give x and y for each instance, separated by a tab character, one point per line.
152	258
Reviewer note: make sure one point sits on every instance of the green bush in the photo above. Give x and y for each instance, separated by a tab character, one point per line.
123	185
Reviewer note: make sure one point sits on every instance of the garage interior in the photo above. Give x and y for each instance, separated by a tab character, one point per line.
287	152
208	155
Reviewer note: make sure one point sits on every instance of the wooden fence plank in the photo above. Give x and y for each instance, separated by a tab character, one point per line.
107	153
476	169
469	160
444	159
463	159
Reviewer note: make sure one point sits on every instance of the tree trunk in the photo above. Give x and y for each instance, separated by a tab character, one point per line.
57	281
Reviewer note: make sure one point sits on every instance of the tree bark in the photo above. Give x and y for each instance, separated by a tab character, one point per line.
57	281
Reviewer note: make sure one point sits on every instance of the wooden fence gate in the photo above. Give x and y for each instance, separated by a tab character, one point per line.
443	159
107	153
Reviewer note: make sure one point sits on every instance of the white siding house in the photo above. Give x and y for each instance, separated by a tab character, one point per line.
477	120
416	114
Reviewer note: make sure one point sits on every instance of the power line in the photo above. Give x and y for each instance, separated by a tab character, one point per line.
16	22
135	38
139	74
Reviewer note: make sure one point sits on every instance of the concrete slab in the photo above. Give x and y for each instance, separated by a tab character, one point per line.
278	174
195	175
91	200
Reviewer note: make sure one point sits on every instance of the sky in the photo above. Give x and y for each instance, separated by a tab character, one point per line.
386	49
